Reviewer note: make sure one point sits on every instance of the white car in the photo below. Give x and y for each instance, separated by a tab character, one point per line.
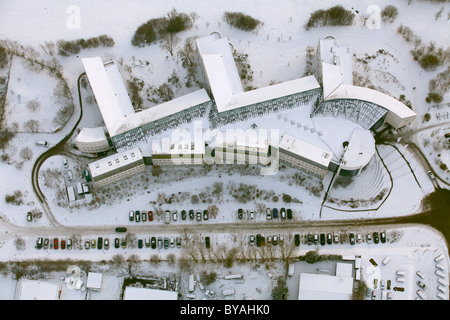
431	175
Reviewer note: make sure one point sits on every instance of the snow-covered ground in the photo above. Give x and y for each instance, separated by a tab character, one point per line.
283	45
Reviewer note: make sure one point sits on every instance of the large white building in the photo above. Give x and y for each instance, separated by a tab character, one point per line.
117	167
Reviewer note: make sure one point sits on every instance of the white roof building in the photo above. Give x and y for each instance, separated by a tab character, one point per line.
39	290
360	150
94	281
324	287
225	83
316	155
337	81
134	293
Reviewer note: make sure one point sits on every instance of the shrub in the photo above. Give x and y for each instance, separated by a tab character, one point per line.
66	48
241	21
389	13
434	97
3	57
429	61
178	22
145	34
335	16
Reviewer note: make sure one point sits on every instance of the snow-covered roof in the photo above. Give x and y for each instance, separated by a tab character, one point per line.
114	161
324	287
38	290
94	280
91	135
225	82
162	110
360	150
306	150
370	95
109	90
134	293
176	144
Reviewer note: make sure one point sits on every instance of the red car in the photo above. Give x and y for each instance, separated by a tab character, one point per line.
63	244
150	216
55	243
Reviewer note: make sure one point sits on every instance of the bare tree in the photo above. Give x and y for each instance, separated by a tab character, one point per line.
169	42
48	47
33	105
118	260
26	153
213	211
31	125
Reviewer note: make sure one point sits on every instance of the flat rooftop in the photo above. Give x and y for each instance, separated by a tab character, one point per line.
114	161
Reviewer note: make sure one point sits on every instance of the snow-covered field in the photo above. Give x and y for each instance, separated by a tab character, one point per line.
276	54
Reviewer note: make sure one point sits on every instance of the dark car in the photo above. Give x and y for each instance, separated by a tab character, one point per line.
309	239
258	240
153	242
100	243
205	214
329	238
383	236
39	243
116	243
121	229
352	238
150	216
55	243
289	213
191	214
297	239
207	242
140	243
275	213
183	214
138	216
240	212
376	238
166	243
322	239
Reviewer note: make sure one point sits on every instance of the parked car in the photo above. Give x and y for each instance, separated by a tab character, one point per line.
322	239
316	238
121	229
69	175
329	239
352	238
309	239
383	236
144	215
123	243
199	215
251	240
63	244
289	213
69	244
178	240
174	215
160	242
368	237
137	216
29	216
183	214
147	242
65	163
297	239
191	214
93	243
39	243
153	242
376	239
275	240
431	175
252	215
336	238
100	243
140	243
205	214
166	243
116	243
46	241
358	238
150	216
131	215
106	243
240	213
55	243
207	242
268	214
421	284
172	242
87	244
275	213
283	213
